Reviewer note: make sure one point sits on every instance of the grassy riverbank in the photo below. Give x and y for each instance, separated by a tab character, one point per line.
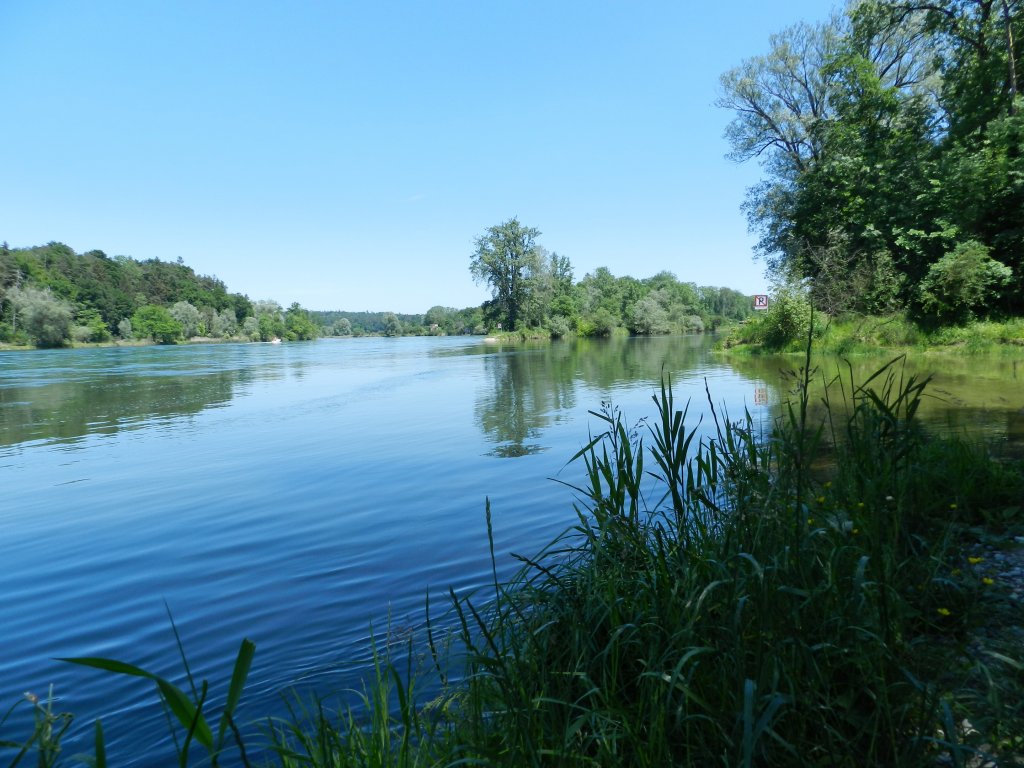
810	597
856	335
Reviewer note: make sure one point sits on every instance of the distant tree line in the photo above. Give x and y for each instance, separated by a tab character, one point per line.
533	288
891	141
50	296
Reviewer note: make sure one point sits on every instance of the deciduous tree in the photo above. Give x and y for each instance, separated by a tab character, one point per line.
505	258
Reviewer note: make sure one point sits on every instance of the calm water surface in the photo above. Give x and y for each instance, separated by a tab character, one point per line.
300	494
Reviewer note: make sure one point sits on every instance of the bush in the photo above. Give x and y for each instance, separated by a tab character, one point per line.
156	323
962	284
43	317
787	319
601	323
251	328
560	327
188	317
691	324
648	318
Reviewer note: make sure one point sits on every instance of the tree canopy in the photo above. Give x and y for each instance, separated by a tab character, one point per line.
508	260
890	137
50	295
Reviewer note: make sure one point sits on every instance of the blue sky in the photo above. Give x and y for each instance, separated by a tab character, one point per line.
345	155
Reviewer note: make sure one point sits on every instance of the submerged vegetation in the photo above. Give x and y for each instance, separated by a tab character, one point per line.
804	597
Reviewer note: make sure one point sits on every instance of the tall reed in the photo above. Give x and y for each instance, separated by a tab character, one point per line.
747	608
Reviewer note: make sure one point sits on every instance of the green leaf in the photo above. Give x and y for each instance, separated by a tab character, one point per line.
238	677
180	705
101	747
110	665
185	711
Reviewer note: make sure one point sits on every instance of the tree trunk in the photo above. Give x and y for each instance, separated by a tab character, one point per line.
1010	57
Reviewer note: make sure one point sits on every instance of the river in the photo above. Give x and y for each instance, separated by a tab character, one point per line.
307	495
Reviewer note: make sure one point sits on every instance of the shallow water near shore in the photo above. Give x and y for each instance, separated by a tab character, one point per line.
301	494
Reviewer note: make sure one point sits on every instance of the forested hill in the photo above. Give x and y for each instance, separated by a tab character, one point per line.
113	286
50	295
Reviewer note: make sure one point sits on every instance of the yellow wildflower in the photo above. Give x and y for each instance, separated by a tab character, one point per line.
821	499
952	506
944	611
810	521
974	560
987	581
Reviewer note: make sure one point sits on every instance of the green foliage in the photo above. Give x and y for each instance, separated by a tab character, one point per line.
648	317
601	323
188	318
560	327
269	320
92	327
871	334
113	287
963	284
223	324
298	324
440	320
156	323
889	135
787	319
189	711
505	259
740	611
251	328
392	325
371	323
44	318
48	728
341	327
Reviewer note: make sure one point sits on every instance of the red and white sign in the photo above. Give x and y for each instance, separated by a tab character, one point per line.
761	301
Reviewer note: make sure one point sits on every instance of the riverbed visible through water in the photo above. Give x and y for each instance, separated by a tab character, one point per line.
309	495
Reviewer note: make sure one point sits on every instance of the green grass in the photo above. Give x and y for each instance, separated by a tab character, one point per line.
865	335
798	598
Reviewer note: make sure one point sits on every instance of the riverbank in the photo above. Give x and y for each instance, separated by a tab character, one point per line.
836	598
867	335
116	343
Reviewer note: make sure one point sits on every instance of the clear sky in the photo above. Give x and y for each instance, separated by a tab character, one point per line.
346	154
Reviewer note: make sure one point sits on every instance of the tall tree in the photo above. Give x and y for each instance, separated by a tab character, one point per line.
45	318
781	100
504	259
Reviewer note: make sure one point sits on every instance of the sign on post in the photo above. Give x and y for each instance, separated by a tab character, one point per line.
761	301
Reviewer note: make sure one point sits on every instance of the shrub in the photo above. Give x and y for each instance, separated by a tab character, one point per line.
152	321
787	319
560	327
42	316
601	323
648	318
962	284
